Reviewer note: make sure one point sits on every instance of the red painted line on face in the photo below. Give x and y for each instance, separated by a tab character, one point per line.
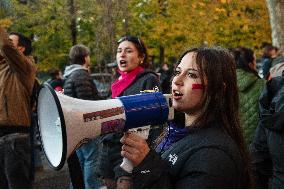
197	86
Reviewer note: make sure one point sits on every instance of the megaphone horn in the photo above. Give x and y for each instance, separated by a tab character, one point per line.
65	122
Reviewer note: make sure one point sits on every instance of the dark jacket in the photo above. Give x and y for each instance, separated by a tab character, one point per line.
110	158
165	78
266	65
146	80
79	84
206	158
267	147
250	87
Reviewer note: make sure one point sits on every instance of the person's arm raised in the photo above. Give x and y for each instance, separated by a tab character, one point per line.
17	61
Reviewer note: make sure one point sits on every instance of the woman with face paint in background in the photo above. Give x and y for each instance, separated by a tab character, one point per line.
208	151
131	57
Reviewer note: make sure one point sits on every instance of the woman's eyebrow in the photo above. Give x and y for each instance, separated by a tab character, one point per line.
124	48
192	69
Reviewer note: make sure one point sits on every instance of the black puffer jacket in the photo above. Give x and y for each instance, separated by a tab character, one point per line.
110	158
267	147
146	80
79	84
206	158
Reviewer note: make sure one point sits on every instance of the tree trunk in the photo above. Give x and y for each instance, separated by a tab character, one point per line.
73	25
276	14
162	55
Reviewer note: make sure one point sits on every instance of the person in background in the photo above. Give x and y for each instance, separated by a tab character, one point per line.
269	52
277	65
132	61
208	151
165	78
56	81
17	77
79	84
267	146
250	86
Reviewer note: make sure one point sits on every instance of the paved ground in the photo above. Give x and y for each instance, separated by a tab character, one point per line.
51	179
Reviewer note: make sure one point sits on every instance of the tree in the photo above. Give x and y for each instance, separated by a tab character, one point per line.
176	25
48	23
98	25
5	9
167	27
73	26
276	14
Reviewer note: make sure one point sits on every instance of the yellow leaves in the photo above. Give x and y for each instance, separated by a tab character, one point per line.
220	10
201	13
225	1
215	17
187	23
245	27
5	23
201	4
198	5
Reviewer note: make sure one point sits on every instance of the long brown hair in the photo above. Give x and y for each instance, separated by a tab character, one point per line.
220	100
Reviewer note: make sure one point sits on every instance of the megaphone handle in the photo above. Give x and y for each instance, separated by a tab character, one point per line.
143	132
127	165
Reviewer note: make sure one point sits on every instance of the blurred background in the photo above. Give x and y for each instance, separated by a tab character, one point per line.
166	26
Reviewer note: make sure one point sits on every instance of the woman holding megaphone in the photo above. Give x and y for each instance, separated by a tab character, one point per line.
131	58
208	151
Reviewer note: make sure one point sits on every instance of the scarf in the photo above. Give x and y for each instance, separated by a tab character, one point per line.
174	134
124	81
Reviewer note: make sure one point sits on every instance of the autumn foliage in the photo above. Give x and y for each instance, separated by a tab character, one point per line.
166	26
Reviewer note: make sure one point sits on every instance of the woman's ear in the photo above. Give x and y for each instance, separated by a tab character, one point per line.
141	59
252	66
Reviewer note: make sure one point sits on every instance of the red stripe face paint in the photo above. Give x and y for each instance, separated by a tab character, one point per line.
197	86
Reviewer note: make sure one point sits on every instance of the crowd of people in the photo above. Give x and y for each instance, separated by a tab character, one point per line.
230	135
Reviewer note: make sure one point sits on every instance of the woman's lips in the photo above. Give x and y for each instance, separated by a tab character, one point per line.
122	63
177	95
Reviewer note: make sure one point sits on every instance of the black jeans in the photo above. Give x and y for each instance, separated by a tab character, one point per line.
15	161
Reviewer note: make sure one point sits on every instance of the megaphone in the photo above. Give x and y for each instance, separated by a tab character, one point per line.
65	122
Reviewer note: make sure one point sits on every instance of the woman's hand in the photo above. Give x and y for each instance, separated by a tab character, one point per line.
134	148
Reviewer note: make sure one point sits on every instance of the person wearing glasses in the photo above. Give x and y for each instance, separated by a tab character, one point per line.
208	151
134	77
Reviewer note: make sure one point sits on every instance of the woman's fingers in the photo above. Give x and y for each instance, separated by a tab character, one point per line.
134	148
128	139
132	140
134	155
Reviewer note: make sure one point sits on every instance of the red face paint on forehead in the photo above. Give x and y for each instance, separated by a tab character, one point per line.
197	86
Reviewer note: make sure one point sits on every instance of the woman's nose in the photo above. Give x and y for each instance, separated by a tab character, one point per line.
178	80
122	54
